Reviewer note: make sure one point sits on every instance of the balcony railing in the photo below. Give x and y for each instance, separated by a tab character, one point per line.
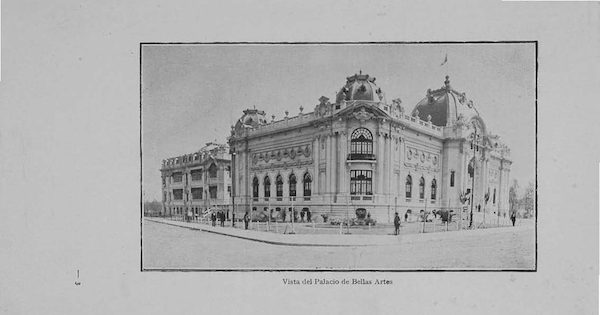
361	156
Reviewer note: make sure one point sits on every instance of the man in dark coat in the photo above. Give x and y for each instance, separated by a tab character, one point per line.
246	220
213	218
222	218
513	217
397	224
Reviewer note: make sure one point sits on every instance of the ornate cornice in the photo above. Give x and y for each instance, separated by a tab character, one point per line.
281	165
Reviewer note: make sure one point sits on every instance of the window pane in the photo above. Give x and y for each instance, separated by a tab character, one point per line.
178	194
197	193
213	192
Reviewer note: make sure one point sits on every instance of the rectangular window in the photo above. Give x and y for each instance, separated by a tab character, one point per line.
197	193
177	177
452	179
229	191
196	175
178	194
212	190
361	182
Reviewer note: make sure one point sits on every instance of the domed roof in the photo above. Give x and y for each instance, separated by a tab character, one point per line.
359	87
253	117
444	106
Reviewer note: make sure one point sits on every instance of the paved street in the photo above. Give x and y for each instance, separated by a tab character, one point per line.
170	247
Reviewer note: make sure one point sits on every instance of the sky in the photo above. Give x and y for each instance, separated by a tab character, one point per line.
193	93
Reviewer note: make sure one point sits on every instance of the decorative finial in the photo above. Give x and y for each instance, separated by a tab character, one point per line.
323	100
301	109
286	113
360	71
273	117
428	118
447	82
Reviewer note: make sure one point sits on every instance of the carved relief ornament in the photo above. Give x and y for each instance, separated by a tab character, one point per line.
362	115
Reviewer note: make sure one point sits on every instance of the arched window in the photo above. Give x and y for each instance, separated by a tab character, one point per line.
292	182
307	185
212	171
267	184
361	145
279	185
433	189
422	188
255	187
408	186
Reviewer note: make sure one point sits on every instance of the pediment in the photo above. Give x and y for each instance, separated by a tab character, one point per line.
362	112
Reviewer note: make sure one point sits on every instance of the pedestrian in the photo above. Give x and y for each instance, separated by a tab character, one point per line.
223	219
397	224
246	220
406	216
189	216
302	216
308	216
513	217
213	218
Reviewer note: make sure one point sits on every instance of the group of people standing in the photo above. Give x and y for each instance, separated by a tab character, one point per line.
219	215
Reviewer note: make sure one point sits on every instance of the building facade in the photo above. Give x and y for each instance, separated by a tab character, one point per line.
197	181
364	155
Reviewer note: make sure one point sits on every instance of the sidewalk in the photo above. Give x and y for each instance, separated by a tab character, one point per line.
335	239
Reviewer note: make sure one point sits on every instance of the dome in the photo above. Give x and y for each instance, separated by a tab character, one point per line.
444	106
253	117
359	87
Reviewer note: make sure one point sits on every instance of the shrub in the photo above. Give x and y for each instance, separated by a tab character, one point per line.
260	217
371	221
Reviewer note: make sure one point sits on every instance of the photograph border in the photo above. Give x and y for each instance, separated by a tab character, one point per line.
535	268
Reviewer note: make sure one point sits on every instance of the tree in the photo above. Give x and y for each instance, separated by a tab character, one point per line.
513	196
528	201
153	207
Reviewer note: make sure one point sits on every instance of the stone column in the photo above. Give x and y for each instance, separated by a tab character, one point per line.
329	167
380	161
343	174
315	172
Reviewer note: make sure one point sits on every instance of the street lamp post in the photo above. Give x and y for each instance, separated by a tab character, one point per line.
233	189
474	144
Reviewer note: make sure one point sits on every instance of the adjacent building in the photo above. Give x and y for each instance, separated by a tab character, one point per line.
197	181
360	154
